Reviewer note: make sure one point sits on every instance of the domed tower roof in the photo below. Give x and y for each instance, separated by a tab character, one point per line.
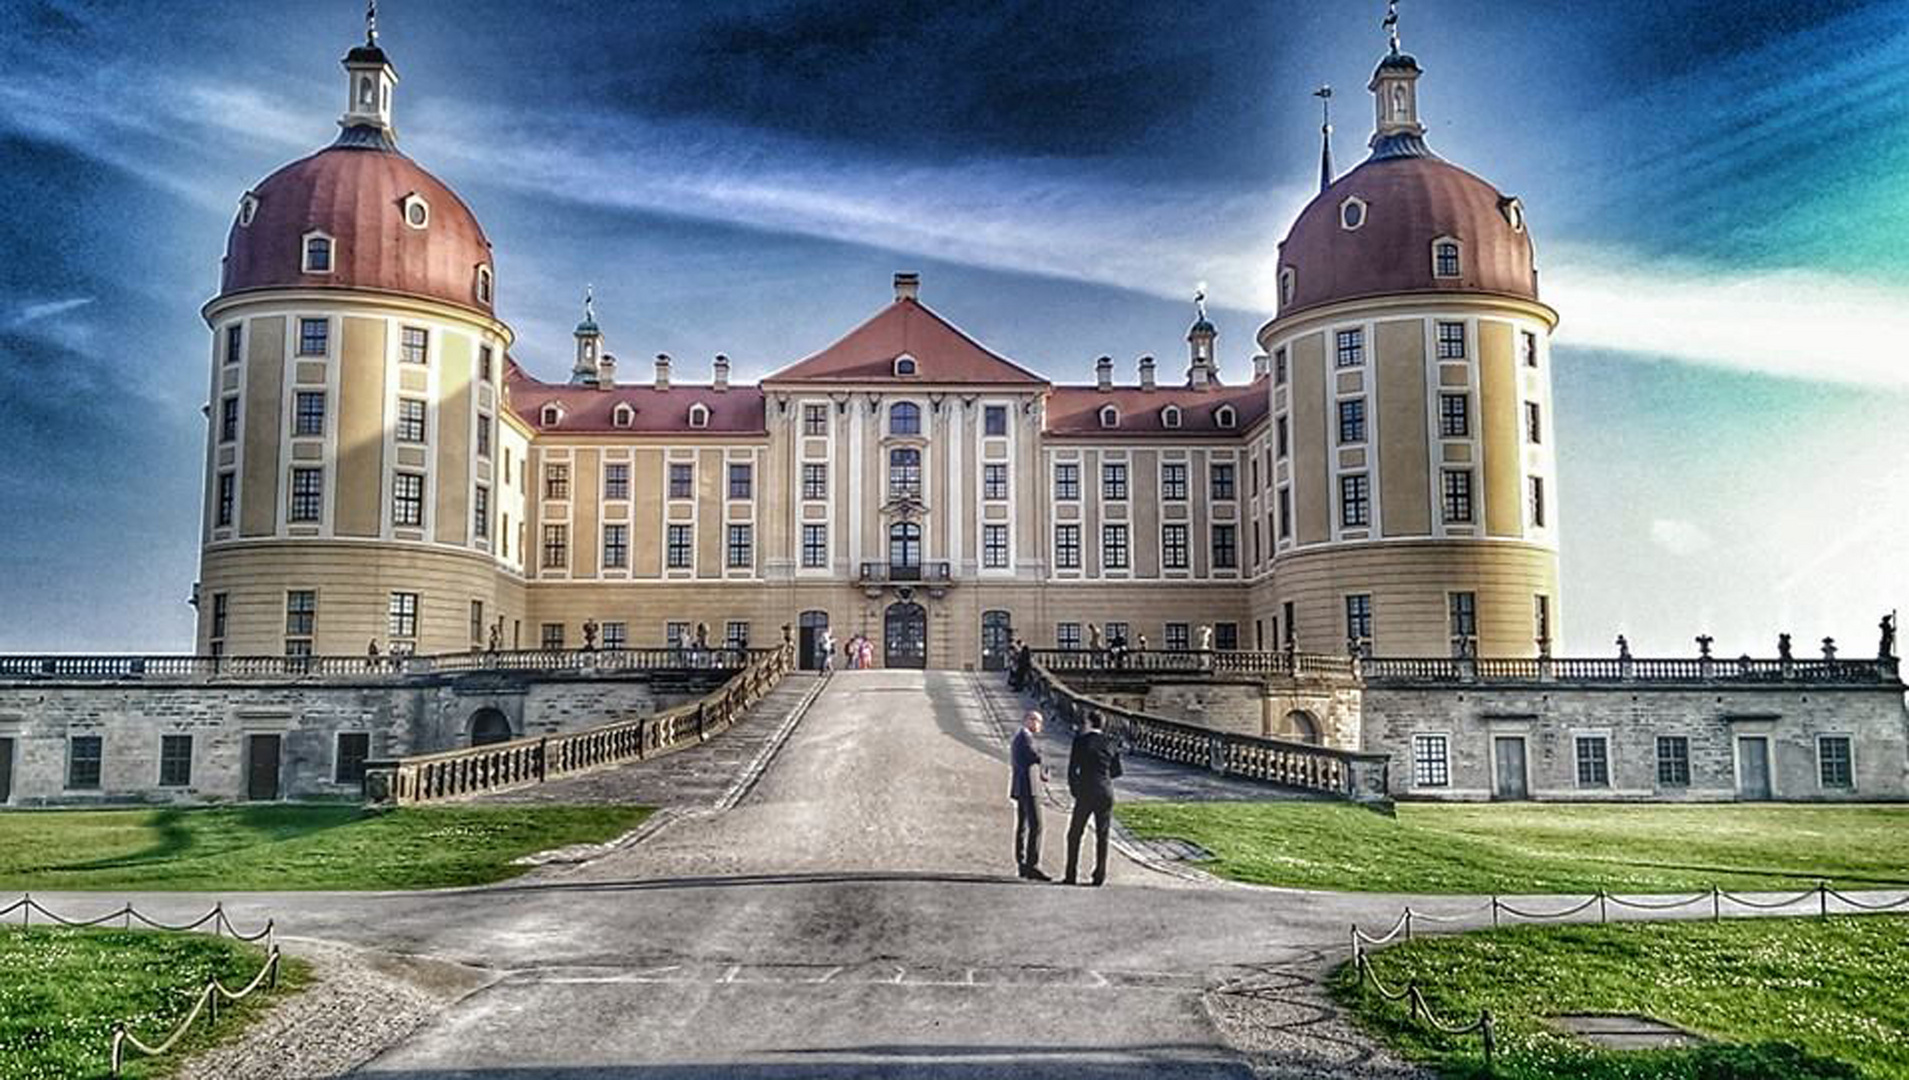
392	226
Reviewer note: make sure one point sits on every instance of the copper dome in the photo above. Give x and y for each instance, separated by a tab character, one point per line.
1406	204
357	195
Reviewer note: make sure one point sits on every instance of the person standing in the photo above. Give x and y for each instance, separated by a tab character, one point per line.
826	646
1025	757
1092	767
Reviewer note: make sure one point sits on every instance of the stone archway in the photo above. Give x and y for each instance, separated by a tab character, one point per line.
1299	725
488	726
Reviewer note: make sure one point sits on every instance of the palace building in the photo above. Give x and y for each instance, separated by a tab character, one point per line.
1379	473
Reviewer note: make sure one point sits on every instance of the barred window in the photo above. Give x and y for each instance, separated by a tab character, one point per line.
1359	617
314	337
616	547
736	634
1351	348
1537	501
1458	496
1066	481
994	546
308	495
1226	555
1463	609
402	615
1594	761
904	418
680	548
481	513
1534	423
228	486
741	547
228	419
1173	481
1221	475
556	547
904	473
349	763
556	481
1355	500
414	344
1352	420
994	481
742	480
994	420
815	546
175	760
308	413
682	480
1454	415
1834	766
616	635
1451	341
83	756
1177	638
1673	761
1431	761
1113	481
1113	547
234	338
410	420
815	419
1445	259
1067	635
1067	547
1173	546
407	499
815	481
616	480
301	612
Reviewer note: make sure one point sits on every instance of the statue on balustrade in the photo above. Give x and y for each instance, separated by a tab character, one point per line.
1783	647
1886	649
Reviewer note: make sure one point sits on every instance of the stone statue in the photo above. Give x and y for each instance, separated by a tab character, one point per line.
1829	648
1206	638
1886	649
1703	645
590	635
496	641
372	649
1783	647
1544	647
702	635
786	638
1623	648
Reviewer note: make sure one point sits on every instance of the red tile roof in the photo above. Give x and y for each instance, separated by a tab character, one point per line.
589	411
944	354
1074	411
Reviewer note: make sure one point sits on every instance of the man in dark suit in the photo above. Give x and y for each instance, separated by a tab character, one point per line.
1025	757
1092	767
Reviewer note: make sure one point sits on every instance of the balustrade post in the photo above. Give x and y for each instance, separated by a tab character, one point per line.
1216	753
543	758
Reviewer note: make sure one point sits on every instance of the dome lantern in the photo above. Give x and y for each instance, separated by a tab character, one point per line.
369	79
1396	130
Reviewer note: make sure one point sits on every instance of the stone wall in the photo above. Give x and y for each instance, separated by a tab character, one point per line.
1262	707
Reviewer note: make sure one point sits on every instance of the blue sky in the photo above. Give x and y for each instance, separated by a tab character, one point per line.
1716	194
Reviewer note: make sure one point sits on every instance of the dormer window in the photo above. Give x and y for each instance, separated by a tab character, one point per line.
1170	416
552	415
417	212
317	248
1352	213
1109	416
367	94
248	209
1514	211
1446	258
906	367
483	284
1225	417
1288	281
623	416
699	415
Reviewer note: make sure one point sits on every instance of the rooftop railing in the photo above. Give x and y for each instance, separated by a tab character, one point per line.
1416	669
80	668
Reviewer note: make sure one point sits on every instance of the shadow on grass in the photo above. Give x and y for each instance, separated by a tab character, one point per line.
199	833
1747	1061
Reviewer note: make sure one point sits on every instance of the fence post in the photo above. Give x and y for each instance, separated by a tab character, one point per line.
1603	913
26	910
543	758
1408	924
1491	1037
1494	911
1822	900
1716	903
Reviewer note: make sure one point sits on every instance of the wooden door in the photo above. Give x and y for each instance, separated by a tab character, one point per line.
997	640
1753	768
1510	754
261	767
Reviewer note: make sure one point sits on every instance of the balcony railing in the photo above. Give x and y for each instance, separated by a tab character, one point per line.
1191	662
927	573
76	668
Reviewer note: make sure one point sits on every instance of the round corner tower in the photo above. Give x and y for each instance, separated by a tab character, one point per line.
1415	510
361	470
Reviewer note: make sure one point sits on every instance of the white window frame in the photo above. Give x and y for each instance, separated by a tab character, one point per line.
1456	242
404	211
699	415
1109	416
551	414
1170	416
305	252
485	284
1610	762
623	415
1427	738
1226	417
914	366
1847	738
1364	212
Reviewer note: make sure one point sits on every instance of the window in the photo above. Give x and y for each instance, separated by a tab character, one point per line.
83	753
1226	636
349	763
175	760
228	485
218	615
483	436
417	212
1537	501
410	420
1528	345
616	480
1066	481
1351	214
1458	496
228	419
1226	554
1221	474
234	342
994	547
556	547
1288	282
1176	638
1463	609
414	344
1255	471
1173	481
402	615
680	548
1431	761
904	473
313	337
552	415
1445	259
994	420
1541	617
1355	500
815	547
1067	547
477	622
1359	617
1351	348
1113	547
741	547
317	255
815	481
481	513
676	634
1113	481
904	418
1352	421
616	547
905	365
1451	341
1067	635
815	419
616	635
308	413
1225	417
1594	761
682	480
1833	761
484	362
1282	442
1454	416
736	635
904	545
1673	761
1285	513
994	481
1117	631
1173	546
1534	425
741	480
699	415
483	284
1170	416
551	638
407	499
1279	366
1109	416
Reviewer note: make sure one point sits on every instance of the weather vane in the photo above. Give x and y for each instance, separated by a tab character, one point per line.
589	303
1392	23
371	22
1324	94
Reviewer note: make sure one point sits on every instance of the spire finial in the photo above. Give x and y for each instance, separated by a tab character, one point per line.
1392	23
371	23
1324	94
590	303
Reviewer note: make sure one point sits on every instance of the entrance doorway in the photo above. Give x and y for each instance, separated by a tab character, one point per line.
1509	782
1753	768
1299	726
905	636
489	726
997	640
6	771
261	767
809	639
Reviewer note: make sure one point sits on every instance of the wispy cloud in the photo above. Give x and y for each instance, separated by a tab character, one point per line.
34	312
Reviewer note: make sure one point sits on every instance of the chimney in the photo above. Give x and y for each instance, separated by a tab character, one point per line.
1104	374
606	373
722	373
1146	373
907	286
662	371
1262	366
1196	376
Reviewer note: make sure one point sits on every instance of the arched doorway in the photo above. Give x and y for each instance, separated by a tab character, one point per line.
997	639
905	636
489	726
1299	726
810	625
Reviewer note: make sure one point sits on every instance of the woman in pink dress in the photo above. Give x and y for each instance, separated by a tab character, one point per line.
867	654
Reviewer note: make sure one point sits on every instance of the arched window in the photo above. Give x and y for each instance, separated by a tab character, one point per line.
1445	258
1225	417
904	473
367	94
1170	416
483	284
317	253
699	415
904	546
1109	416
248	209
1398	102
904	418
905	366
623	415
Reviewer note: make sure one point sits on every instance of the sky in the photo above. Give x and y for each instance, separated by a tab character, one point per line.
1717	196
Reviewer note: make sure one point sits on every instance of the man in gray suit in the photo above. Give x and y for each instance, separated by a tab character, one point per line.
1025	757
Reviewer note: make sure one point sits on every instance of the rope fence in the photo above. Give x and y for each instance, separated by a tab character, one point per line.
1403	928
127	914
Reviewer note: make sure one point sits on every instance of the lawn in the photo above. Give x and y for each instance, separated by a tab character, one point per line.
1532	848
61	992
1785	999
290	847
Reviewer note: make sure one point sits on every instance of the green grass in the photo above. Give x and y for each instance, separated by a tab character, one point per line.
290	847
1532	848
61	992
1785	999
